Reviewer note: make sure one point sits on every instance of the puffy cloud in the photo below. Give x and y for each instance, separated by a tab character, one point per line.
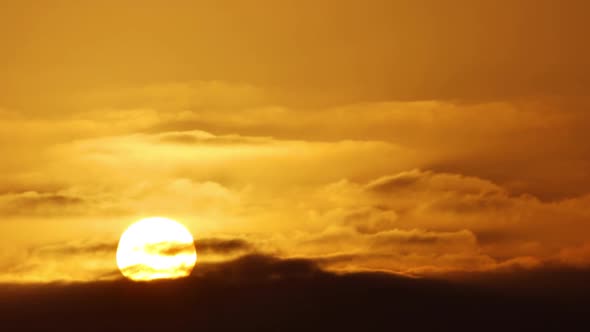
384	186
422	222
411	221
442	136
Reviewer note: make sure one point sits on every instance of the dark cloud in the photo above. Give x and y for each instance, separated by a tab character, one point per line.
51	199
425	181
372	219
475	203
262	293
441	193
485	237
223	246
256	267
84	260
396	182
64	249
415	238
169	248
219	246
204	138
34	203
416	242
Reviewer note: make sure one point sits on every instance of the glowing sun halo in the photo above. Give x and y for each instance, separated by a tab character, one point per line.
156	248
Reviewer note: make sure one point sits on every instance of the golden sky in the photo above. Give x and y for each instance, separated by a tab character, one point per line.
416	137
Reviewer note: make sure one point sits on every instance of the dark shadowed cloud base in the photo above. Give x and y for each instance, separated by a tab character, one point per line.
262	293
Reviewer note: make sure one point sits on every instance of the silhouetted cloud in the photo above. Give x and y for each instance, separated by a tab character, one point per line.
264	293
223	246
168	248
218	246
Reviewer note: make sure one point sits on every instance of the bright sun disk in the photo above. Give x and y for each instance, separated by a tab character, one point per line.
156	248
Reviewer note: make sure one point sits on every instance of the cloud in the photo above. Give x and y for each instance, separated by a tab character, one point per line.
94	259
35	203
400	195
426	134
223	246
169	248
418	181
205	138
402	142
256	268
418	238
205	246
413	222
80	248
436	132
74	261
423	221
576	256
409	252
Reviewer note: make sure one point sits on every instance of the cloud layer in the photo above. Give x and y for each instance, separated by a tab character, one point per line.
346	214
415	138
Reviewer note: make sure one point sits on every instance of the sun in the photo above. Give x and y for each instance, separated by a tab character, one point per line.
156	248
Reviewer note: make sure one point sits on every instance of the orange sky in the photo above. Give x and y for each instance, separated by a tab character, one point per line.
407	136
